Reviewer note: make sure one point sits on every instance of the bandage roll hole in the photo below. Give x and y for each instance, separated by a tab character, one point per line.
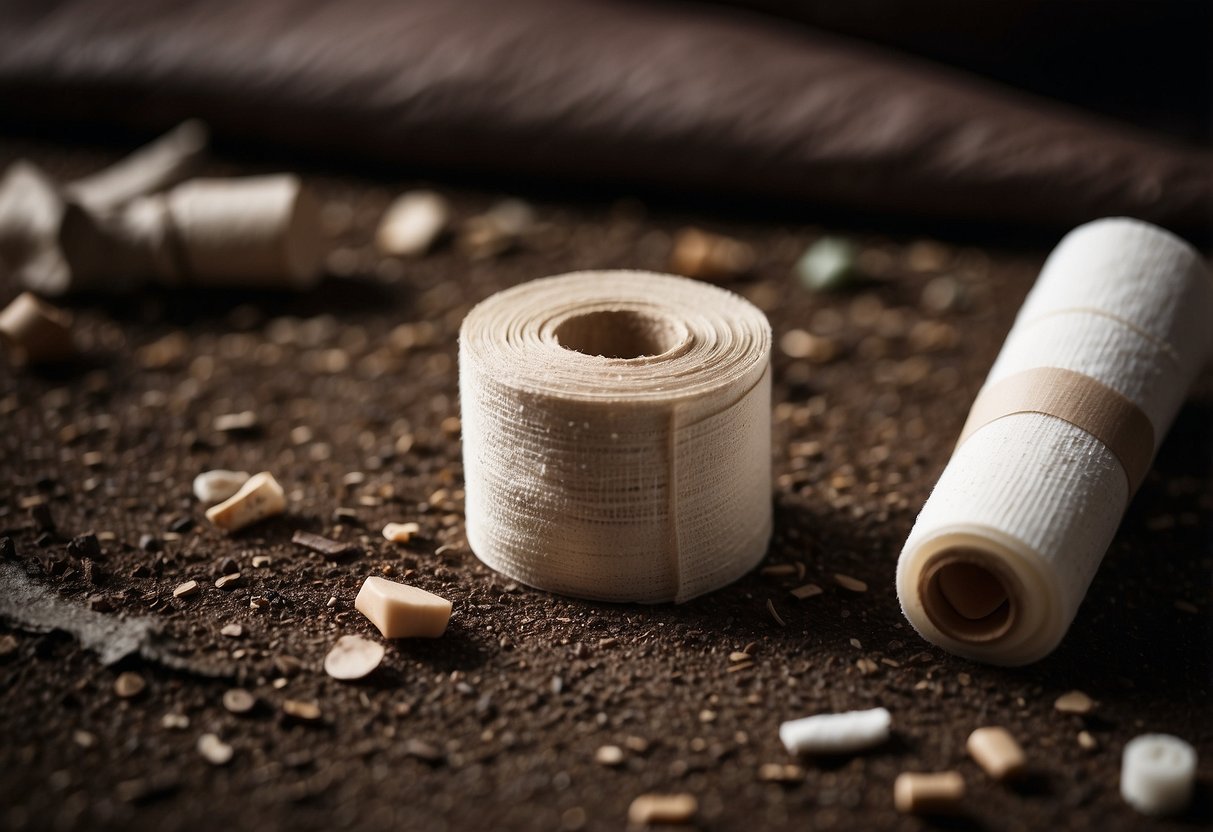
622	333
963	593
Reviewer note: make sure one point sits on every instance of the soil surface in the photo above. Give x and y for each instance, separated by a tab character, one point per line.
496	725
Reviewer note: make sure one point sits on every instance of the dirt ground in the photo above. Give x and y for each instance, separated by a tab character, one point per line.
496	725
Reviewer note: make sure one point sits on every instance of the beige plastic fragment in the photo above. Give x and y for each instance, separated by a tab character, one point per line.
923	793
997	752
36	332
402	611
400	532
412	223
1074	702
663	808
257	499
215	486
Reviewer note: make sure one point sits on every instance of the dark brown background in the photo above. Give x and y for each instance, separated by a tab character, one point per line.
516	747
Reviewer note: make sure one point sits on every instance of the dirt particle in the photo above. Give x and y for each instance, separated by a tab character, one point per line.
239	701
806	591
609	755
185	590
128	685
663	808
301	711
232	631
1074	702
353	657
850	584
214	750
775	613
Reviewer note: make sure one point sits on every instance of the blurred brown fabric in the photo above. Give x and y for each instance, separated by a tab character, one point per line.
696	96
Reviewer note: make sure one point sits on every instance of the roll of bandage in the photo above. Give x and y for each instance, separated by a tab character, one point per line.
1094	369
616	435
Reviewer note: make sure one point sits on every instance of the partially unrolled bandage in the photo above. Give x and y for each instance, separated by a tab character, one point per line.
1091	375
616	435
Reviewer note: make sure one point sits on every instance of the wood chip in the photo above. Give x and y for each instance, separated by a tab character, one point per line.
186	589
261	561
921	793
259	498
774	614
232	631
806	591
239	701
129	685
353	657
779	570
1075	702
300	710
422	750
866	666
663	808
231	422
214	750
997	752
738	656
228	581
331	549
609	755
400	532
849	583
1087	741
780	773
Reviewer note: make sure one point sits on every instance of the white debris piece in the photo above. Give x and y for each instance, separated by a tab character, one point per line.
353	657
1157	773
836	733
257	499
412	223
212	487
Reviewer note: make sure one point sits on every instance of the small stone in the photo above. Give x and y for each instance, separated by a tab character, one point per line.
128	685
215	486
1087	741
239	701
302	711
8	645
400	532
1075	702
806	591
245	420
214	750
412	224
84	739
402	611
186	589
827	265
609	755
232	631
353	657
662	808
850	584
228	581
175	722
921	793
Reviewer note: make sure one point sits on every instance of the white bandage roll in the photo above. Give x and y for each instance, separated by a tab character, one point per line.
616	435
1099	360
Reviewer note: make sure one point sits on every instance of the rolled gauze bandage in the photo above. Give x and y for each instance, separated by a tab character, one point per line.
1091	375
616	435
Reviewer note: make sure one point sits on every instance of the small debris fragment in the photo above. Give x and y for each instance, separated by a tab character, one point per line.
663	808
705	256
806	591
400	532
850	584
827	265
412	224
1087	741
186	589
778	570
215	486
239	701
780	773
402	611
302	711
214	750
800	343
174	722
331	549
8	550
228	581
232	631
8	645
128	685
261	561
84	739
739	656
35	332
775	614
609	755
1157	774
353	657
997	752
497	230
422	750
150	543
246	420
257	499
924	794
841	733
866	666
85	546
1075	702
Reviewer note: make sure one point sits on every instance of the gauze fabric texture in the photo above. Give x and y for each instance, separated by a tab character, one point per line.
616	435
1030	500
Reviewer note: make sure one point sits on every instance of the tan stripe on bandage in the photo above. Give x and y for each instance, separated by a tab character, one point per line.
1075	398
